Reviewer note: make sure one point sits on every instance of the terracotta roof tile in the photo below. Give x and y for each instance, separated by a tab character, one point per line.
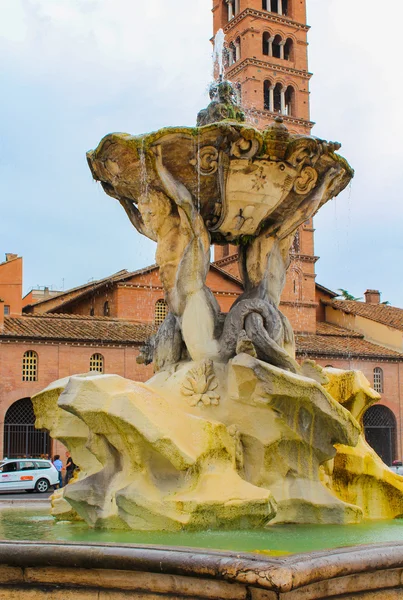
323	328
381	313
311	345
76	328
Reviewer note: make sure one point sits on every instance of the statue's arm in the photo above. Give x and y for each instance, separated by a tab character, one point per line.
135	217
176	190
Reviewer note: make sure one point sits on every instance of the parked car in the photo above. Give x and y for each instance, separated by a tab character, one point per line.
397	467
27	474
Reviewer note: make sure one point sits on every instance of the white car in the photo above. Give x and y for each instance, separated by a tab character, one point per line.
27	474
397	467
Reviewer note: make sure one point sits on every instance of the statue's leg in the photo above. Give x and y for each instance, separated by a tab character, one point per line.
266	347
168	343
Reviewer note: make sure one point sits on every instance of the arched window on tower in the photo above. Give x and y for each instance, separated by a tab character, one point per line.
30	366
277	98
288	50
266	43
238	49
296	278
296	245
231	54
232	8
281	7
289	101
107	310
160	312
277	46
378	380
268	95
238	91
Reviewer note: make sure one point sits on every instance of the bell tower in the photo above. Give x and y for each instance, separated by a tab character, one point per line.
267	56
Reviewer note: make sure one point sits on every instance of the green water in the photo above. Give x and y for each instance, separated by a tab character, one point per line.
38	525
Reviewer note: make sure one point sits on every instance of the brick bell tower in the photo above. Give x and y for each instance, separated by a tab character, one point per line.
266	42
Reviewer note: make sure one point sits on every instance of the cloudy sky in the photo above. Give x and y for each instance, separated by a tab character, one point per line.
73	70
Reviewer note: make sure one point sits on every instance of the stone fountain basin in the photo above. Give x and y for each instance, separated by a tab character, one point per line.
116	572
239	177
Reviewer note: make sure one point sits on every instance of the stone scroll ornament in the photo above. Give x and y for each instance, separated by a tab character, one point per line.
230	432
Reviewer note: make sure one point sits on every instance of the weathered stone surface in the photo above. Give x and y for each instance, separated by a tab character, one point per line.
70	430
162	469
211	445
222	182
357	475
44	570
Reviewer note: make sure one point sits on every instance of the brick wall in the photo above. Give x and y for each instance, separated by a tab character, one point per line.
56	361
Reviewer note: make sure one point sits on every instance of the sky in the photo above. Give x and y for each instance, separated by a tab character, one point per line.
75	70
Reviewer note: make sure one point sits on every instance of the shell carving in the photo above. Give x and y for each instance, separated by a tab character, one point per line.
306	181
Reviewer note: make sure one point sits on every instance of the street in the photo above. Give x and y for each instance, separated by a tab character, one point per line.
24	497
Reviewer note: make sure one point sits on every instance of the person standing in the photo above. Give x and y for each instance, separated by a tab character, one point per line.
70	468
57	463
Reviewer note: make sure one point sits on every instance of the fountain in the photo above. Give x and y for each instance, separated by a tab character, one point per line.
230	432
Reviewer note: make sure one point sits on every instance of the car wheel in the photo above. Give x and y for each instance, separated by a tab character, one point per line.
42	485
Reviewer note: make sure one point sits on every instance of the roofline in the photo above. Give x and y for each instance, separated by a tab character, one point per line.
325	289
78	288
6	262
227	275
345	356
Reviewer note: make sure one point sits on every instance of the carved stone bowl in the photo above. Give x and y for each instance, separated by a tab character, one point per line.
240	178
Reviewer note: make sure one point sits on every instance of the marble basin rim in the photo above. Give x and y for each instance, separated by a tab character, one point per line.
241	179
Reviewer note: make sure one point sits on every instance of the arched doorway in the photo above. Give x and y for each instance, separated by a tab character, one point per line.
380	432
20	436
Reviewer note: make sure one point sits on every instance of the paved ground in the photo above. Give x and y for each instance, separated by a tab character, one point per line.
7	497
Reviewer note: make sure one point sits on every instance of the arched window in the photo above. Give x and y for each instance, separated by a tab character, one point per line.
30	366
268	95
92	311
238	90
20	436
380	431
288	49
97	363
329	367
289	101
296	276
277	98
232	8
296	245
238	49
231	54
266	43
378	380
277	46
276	6
106	309
161	310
